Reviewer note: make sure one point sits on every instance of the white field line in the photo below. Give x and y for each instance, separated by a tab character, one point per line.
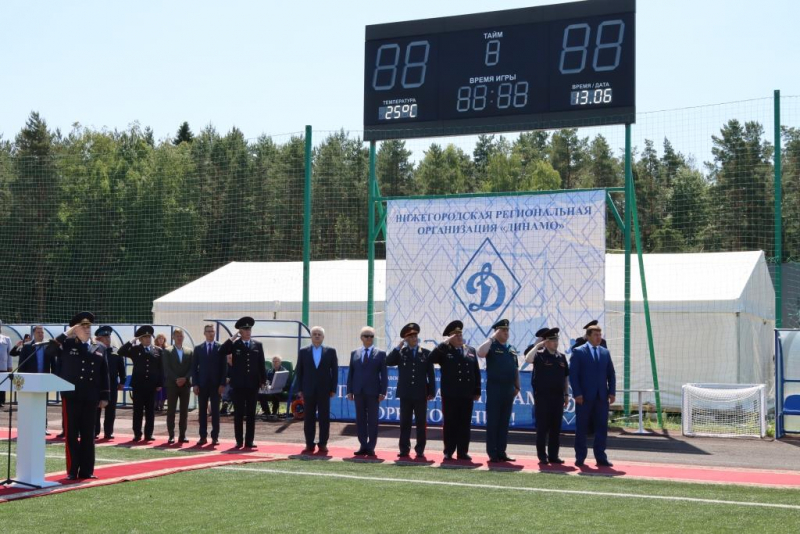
516	488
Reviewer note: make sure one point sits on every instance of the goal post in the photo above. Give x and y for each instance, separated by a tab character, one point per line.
724	410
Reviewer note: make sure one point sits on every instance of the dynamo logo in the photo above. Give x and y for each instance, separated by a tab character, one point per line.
486	286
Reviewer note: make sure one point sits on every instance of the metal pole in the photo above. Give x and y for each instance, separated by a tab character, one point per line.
778	216
646	303
641	420
371	236
627	318
307	228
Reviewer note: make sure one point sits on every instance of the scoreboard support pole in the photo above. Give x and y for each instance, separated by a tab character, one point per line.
629	192
307	227
371	189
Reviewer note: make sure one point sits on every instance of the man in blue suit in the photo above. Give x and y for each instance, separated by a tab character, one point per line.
316	377
209	370
366	385
593	381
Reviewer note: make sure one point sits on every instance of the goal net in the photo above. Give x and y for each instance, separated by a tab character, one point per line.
724	410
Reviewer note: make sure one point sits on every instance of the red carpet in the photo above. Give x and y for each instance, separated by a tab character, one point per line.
275	450
112	474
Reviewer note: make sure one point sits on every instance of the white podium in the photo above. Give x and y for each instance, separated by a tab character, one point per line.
32	389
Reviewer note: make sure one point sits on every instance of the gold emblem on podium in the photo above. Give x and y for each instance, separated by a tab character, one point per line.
19	381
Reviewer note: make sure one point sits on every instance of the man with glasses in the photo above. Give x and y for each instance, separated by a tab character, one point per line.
209	372
317	376
594	385
247	368
366	385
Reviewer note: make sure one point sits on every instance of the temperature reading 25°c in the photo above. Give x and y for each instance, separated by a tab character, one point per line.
387	61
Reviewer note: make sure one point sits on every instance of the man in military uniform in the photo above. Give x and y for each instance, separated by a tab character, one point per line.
247	369
461	387
502	386
116	381
550	381
146	379
84	365
416	385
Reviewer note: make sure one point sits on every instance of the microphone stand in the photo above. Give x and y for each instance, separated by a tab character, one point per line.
10	379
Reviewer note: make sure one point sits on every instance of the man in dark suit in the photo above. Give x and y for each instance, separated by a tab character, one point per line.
146	379
461	387
177	362
84	365
316	376
116	381
593	382
42	361
209	371
416	385
581	340
247	369
366	385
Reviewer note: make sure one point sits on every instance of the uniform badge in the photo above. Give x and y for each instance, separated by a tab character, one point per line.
19	381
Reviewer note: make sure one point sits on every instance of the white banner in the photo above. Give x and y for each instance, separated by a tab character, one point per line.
536	260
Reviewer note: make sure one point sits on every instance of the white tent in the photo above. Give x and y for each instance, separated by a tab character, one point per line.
712	316
338	295
712	313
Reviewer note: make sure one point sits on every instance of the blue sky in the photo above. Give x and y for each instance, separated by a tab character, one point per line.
272	67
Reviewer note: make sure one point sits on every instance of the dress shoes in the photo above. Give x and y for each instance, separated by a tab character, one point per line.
604	463
201	442
506	458
556	461
466	457
215	441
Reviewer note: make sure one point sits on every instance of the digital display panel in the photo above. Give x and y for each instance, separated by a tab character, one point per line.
564	65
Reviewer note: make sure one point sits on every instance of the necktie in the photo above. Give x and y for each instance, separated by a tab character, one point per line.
594	353
208	348
247	344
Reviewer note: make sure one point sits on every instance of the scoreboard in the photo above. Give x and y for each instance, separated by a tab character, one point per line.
563	65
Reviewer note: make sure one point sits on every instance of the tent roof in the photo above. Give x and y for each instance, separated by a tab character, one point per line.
710	282
258	282
683	277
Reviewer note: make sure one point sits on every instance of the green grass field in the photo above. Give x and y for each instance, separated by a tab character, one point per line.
320	496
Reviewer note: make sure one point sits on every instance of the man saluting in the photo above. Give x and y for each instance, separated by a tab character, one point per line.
247	368
84	365
416	385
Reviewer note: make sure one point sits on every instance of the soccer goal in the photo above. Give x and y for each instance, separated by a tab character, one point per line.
724	410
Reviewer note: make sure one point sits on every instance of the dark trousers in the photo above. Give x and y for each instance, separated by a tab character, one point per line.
174	394
144	404
416	409
266	400
81	414
596	411
208	394
111	415
367	420
317	408
2	397
549	409
244	408
498	416
457	412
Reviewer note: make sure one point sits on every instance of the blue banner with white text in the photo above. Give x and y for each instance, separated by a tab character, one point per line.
522	415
